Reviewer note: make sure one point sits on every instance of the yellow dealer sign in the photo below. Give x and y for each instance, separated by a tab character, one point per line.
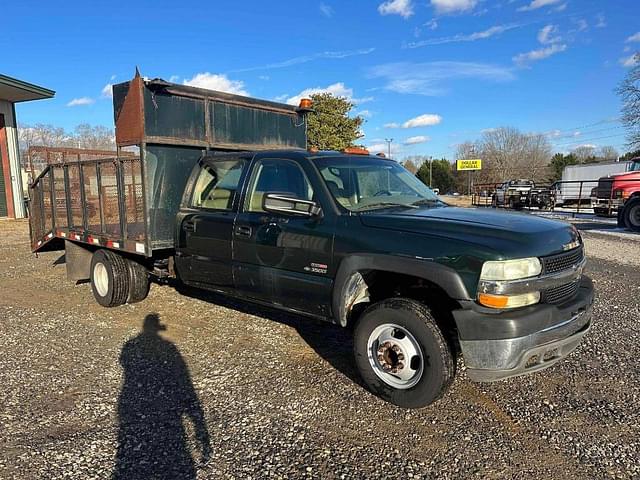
475	164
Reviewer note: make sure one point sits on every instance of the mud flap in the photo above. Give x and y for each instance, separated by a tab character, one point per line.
78	261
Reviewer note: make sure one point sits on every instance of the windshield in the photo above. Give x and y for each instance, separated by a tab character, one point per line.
635	166
363	183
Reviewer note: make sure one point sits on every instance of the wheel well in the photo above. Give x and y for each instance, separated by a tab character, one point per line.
380	285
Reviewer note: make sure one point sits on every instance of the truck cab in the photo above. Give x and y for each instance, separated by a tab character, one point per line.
625	192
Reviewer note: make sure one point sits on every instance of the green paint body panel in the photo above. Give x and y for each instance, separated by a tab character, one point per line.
167	169
175	117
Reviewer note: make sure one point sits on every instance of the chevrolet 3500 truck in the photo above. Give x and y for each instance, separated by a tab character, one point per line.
348	238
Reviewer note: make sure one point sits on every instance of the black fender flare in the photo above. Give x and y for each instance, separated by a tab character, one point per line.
441	275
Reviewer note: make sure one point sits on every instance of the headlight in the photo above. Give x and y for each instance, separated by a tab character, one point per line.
511	269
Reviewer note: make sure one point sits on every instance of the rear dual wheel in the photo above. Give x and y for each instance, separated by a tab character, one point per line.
401	353
116	280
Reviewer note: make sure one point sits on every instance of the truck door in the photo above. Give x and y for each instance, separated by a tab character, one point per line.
282	258
206	225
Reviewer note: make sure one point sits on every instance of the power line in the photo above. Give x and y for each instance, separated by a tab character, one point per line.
582	140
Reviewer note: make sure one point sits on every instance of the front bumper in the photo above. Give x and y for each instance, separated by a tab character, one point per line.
502	345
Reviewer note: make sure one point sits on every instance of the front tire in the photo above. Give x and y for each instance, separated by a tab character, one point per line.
401	353
109	278
631	214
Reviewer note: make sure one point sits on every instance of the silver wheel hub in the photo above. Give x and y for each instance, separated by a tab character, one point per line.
101	279
395	356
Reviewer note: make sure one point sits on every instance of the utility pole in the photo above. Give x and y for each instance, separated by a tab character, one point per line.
388	140
430	171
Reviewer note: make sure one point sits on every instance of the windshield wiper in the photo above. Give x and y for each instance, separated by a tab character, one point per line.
427	201
384	205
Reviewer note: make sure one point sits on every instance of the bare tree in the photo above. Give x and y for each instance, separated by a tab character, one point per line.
609	153
629	91
585	153
94	137
508	153
410	165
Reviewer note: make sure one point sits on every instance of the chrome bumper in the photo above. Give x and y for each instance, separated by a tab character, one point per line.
491	360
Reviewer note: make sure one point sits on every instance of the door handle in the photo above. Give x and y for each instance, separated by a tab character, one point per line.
189	226
243	231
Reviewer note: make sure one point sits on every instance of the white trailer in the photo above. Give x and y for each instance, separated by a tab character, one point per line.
588	174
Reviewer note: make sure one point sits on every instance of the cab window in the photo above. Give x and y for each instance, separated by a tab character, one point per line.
217	184
277	176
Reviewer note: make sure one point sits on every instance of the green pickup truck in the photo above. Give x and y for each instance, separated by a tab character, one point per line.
355	240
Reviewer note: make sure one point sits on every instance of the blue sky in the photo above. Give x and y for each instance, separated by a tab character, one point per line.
429	73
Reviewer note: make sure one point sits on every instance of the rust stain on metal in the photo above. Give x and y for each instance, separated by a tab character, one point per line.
130	118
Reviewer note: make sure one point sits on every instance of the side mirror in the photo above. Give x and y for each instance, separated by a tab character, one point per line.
284	204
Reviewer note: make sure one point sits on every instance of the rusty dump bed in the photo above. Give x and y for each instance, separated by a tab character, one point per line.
130	203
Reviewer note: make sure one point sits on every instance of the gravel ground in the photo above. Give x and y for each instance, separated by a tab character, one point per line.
227	390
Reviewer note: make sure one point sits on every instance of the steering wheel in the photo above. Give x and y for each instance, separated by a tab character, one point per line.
382	192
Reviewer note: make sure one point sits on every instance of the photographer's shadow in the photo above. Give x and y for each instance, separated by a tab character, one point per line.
157	397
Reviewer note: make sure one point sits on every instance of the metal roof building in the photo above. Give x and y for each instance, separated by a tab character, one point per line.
13	91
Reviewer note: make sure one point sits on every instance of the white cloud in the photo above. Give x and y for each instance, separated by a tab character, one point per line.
264	77
453	6
106	91
431	24
549	34
471	37
425	120
307	58
81	101
633	38
630	61
281	98
601	21
326	10
365	113
581	25
221	83
560	8
430	78
416	140
337	89
535	4
404	8
524	59
174	78
384	148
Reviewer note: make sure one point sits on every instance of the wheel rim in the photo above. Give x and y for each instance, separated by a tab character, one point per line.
101	279
634	216
395	356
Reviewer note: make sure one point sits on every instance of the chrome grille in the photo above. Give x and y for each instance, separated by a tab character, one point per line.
561	294
562	261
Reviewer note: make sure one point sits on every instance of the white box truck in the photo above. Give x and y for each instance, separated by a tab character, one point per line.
578	180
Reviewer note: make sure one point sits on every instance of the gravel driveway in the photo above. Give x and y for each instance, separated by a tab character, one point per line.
193	386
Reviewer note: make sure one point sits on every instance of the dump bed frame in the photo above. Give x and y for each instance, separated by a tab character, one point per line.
130	203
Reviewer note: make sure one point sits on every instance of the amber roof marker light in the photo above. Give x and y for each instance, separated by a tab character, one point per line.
356	151
305	106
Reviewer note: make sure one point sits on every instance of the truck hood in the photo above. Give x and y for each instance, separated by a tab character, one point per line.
633	174
508	234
